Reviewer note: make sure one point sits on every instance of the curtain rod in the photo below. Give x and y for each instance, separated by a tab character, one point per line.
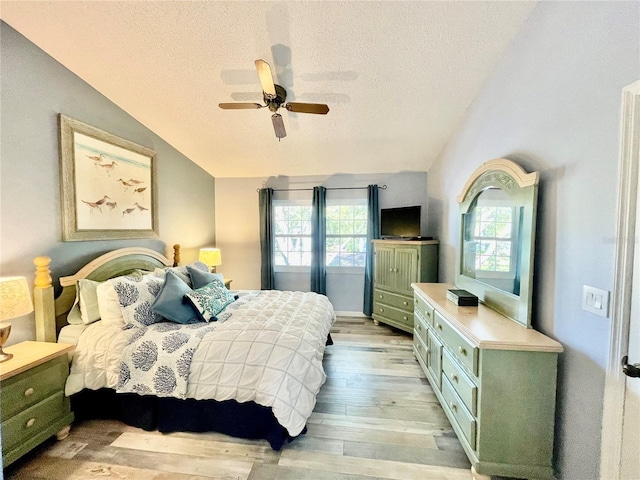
383	187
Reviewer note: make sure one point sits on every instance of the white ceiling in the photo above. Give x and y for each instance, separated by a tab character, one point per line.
398	76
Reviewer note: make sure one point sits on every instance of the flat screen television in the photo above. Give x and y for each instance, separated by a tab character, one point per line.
403	222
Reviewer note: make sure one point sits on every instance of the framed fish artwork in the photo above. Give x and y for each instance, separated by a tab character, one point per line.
108	185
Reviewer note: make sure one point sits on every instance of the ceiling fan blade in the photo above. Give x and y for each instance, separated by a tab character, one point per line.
239	106
318	108
266	78
278	125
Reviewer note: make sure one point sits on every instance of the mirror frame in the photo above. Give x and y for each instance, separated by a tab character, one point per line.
522	188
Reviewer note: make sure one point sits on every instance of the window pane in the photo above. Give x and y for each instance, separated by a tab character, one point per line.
359	259
333	245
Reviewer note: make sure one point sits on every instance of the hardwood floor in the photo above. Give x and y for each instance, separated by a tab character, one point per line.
376	417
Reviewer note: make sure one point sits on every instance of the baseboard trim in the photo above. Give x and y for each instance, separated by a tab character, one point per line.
350	314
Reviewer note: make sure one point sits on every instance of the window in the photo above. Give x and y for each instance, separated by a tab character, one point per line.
346	239
346	235
292	235
493	232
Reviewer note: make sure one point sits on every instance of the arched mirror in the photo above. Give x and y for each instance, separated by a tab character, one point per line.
497	237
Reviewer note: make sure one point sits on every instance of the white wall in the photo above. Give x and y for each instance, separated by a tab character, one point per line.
553	105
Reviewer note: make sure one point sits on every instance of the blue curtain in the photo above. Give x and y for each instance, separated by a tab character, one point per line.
318	241
373	232
267	275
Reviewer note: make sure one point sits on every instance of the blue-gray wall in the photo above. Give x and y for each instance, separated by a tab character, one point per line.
553	105
34	90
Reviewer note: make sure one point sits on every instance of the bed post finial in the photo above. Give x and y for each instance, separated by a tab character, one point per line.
43	301
176	255
43	273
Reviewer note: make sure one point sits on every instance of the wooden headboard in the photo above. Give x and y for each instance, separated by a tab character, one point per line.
51	313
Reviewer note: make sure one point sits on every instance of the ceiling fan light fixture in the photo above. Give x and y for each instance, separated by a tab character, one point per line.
274	97
278	125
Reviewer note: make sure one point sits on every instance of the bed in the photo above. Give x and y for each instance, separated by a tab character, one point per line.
167	347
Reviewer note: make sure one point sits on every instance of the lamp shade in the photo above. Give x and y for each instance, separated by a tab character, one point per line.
15	298
211	257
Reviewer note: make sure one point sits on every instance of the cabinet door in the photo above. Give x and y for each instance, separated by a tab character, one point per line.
405	269
384	267
434	358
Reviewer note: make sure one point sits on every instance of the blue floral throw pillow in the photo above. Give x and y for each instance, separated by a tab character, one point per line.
136	297
210	300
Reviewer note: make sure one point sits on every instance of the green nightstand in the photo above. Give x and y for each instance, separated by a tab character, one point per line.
33	404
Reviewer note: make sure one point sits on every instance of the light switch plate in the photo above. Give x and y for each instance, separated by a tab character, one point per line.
595	300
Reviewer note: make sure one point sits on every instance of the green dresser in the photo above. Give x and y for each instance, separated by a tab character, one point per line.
33	404
495	380
399	263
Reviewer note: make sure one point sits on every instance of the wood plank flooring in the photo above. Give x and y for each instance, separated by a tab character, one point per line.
376	417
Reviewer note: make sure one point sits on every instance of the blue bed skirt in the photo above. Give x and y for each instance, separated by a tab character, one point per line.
244	420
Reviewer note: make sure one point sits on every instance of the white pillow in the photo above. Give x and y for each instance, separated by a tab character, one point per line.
75	317
89	311
85	306
109	305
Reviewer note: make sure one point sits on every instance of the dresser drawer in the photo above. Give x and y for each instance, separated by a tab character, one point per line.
394	300
419	328
463	418
426	310
461	348
420	349
29	388
461	383
33	420
398	316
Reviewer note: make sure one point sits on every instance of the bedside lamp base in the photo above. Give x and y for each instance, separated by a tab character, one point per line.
5	330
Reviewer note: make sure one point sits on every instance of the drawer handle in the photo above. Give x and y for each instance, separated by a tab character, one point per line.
30	422
405	318
428	314
405	303
382	309
380	296
391	269
418	327
454	378
28	392
453	406
463	351
438	326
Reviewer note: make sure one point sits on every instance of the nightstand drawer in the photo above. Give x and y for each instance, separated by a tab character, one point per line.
33	420
461	383
461	348
29	388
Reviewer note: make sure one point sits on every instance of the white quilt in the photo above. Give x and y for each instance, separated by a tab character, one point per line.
268	351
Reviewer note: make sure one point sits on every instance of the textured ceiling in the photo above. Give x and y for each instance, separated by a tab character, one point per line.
398	76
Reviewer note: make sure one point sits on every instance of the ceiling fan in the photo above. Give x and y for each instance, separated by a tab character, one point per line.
274	97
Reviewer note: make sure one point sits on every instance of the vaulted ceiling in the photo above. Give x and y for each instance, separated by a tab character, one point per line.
397	76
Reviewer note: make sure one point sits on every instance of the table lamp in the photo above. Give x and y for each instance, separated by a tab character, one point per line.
15	301
211	257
